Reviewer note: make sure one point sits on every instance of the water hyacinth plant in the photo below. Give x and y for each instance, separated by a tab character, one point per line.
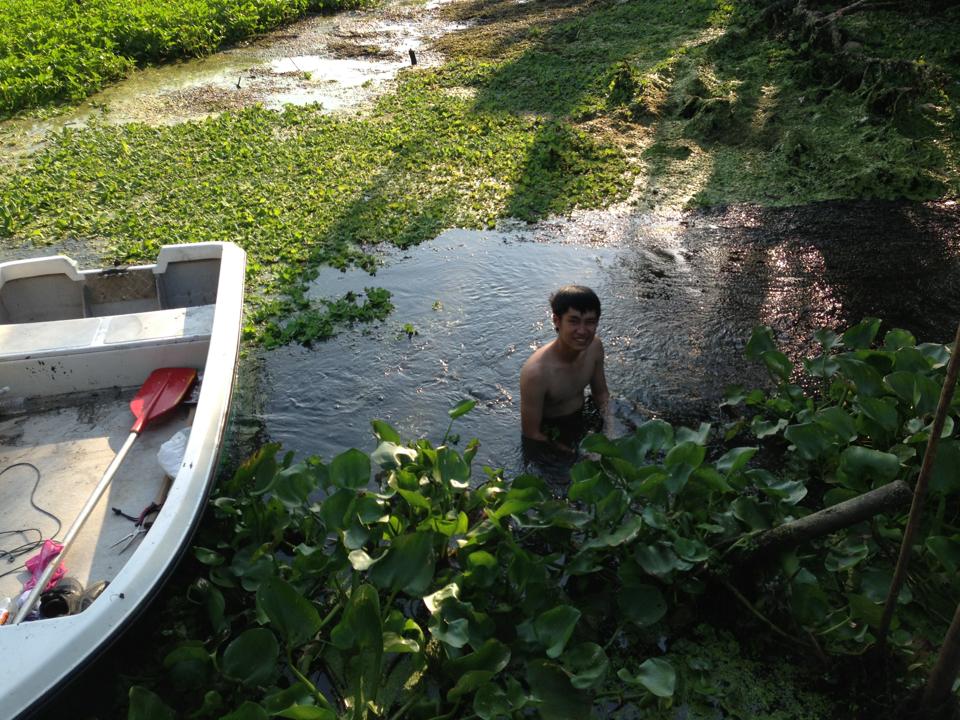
401	584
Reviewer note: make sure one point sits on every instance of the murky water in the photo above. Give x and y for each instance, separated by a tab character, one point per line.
681	295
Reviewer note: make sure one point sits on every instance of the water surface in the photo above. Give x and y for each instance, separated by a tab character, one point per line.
681	295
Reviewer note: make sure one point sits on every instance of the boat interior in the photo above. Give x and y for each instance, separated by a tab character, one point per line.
74	348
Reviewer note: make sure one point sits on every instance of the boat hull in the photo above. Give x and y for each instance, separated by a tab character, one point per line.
113	350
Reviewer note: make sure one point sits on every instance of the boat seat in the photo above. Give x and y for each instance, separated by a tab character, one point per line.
54	338
41	290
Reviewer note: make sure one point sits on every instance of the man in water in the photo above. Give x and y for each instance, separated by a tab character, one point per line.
553	379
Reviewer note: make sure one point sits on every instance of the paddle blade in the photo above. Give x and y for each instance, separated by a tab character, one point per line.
161	393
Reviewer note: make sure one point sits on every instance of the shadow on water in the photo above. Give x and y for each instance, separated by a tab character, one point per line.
681	295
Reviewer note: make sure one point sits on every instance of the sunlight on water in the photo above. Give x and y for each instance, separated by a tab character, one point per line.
681	295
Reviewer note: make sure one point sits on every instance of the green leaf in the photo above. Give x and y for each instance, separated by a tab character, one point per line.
389	455
655	674
625	532
735	460
862	334
945	478
350	470
691	549
515	501
451	468
881	411
491	702
407	564
846	555
946	550
865	610
866	379
189	665
208	557
291	615
875	585
385	432
837	421
810	439
468	683
659	559
293	485
585	664
896	339
762	428
360	630
247	711
554	628
559	700
761	341
698	436
860	465
653	436
461	409
778	364
680	462
828	339
917	391
599	444
749	512
824	366
493	656
393	643
252	657
296	694
482	569
642	604
146	705
306	712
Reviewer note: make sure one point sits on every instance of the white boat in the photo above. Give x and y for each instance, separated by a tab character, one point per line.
74	348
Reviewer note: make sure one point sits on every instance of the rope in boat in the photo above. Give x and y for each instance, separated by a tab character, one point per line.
29	546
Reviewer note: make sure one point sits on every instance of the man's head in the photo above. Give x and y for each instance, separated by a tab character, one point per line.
576	311
578	297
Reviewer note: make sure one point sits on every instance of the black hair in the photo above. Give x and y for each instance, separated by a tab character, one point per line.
578	297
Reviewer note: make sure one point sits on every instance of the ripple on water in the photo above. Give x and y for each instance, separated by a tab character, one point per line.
680	299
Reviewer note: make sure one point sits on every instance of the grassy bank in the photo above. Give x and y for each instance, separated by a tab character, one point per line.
61	50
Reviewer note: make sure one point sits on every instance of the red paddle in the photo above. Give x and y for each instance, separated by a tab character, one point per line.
160	394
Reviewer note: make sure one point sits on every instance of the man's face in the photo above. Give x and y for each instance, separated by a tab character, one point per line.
576	328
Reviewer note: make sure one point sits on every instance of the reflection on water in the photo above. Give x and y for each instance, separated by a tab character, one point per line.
680	295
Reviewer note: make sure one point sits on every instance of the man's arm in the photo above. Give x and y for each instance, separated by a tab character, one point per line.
531	403
599	390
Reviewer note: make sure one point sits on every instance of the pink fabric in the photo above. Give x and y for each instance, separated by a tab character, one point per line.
38	563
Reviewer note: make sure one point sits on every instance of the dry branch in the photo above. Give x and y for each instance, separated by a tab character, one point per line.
849	512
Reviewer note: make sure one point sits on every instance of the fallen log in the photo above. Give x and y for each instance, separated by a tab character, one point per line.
849	512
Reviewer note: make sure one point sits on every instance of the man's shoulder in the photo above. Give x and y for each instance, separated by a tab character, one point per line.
596	347
534	364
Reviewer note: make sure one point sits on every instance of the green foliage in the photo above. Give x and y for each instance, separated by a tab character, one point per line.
65	50
419	585
847	420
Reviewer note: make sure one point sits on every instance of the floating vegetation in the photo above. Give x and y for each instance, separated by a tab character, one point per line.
65	50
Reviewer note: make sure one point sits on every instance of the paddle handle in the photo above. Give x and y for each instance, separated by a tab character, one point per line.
75	529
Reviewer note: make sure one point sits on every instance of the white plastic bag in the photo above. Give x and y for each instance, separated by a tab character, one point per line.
171	452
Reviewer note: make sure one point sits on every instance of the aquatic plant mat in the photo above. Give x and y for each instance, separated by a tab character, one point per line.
542	107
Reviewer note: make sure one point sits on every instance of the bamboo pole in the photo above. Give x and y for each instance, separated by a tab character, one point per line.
919	494
940	682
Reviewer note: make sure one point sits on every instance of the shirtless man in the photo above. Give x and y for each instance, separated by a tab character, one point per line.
553	378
